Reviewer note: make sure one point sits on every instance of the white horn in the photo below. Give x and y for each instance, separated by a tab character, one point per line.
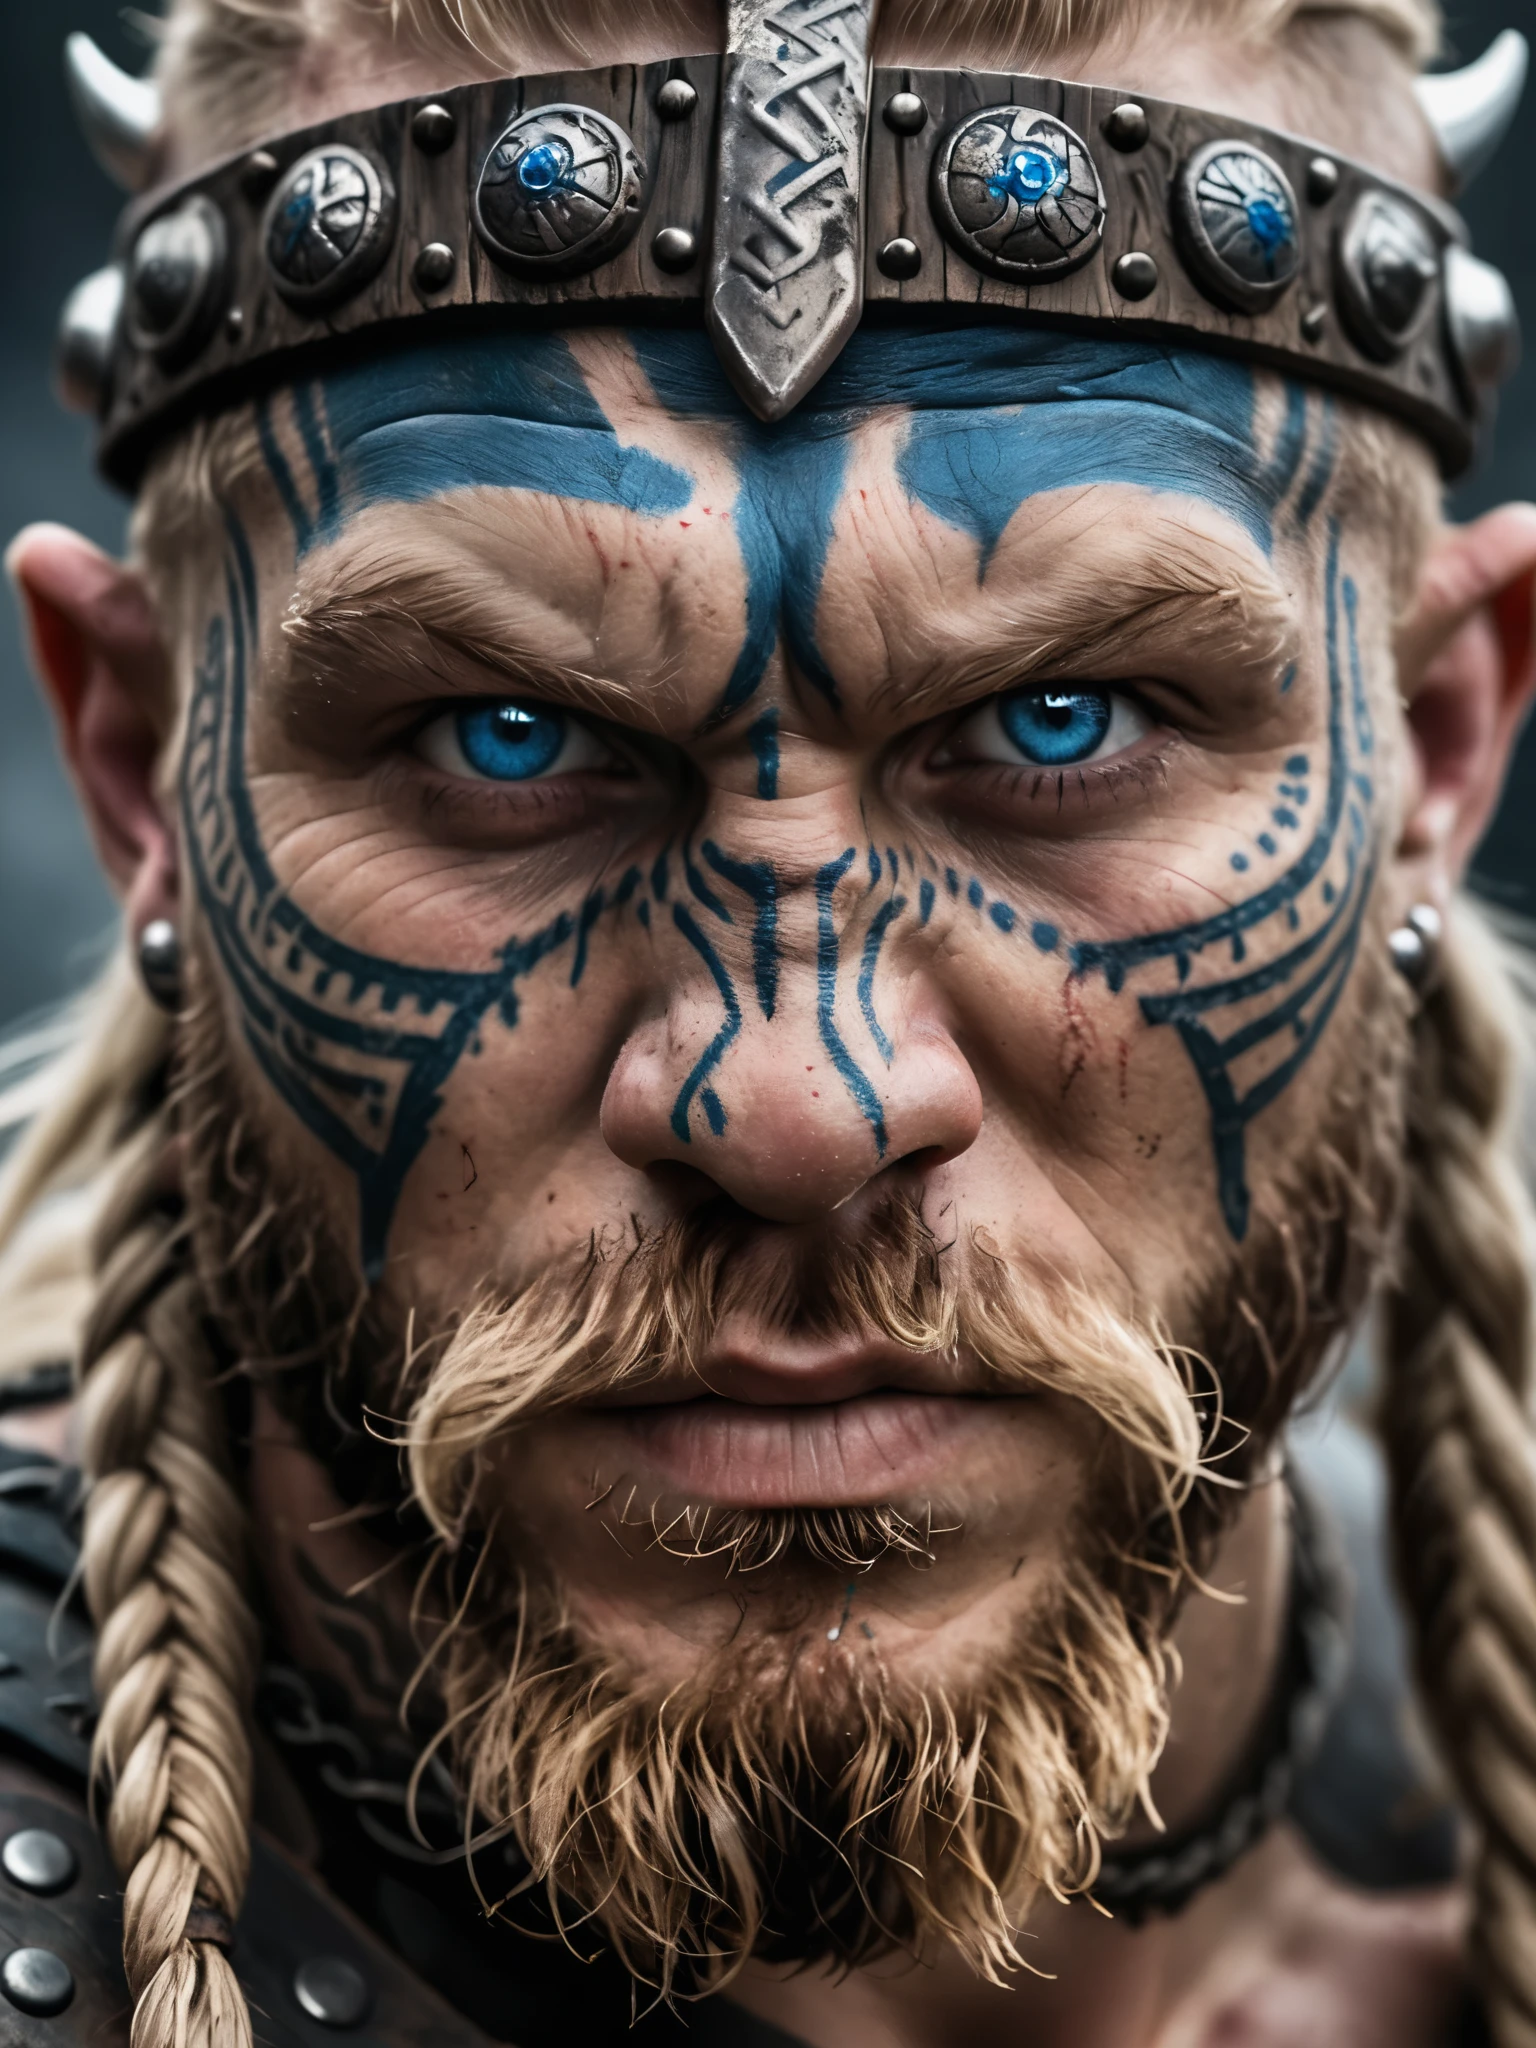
120	115
1470	110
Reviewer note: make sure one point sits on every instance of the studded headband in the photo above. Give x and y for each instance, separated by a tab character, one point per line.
784	193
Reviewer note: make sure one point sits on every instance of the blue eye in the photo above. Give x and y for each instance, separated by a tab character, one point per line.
1048	728
1056	727
511	742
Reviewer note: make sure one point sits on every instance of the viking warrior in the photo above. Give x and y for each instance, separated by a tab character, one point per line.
788	743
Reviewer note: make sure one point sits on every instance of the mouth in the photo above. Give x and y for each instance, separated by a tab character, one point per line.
887	1444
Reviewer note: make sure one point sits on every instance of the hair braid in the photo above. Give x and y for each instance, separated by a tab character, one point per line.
176	1650
1457	1426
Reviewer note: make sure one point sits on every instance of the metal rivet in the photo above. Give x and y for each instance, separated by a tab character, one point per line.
900	258
234	324
39	1860
331	1991
433	268
1127	126
676	100
433	128
1135	275
37	1981
675	249
258	174
1322	180
1314	322
906	114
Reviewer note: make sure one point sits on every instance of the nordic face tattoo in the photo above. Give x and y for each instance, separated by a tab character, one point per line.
971	438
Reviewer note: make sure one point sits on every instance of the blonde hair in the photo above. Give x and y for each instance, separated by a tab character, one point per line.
91	1242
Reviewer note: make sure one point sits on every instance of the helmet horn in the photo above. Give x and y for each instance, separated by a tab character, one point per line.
120	116
1470	110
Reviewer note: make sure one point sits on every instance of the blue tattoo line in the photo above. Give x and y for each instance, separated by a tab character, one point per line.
852	1075
874	939
368	1087
719	1045
763	739
1306	1009
756	880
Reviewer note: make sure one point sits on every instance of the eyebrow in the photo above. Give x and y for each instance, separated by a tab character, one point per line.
1171	591
414	631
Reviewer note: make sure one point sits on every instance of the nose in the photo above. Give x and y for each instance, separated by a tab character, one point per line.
795	1054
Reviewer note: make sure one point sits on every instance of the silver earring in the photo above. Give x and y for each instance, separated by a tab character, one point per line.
160	963
1415	946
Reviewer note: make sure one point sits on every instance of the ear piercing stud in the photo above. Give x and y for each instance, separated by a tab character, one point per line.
160	963
1415	946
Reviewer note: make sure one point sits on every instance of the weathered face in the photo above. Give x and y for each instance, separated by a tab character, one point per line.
974	787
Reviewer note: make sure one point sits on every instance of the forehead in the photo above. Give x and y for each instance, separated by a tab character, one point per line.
987	417
602	500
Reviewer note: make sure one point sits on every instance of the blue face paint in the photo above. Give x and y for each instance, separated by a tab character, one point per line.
763	739
513	413
995	416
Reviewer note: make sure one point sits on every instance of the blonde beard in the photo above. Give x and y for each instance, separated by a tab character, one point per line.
789	1794
779	1803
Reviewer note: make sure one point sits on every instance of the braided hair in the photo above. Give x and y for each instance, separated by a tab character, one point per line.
164	1562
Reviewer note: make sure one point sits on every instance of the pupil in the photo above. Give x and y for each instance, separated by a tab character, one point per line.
511	742
1054	728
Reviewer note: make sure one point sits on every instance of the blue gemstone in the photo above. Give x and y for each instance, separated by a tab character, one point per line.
1030	174
542	168
1269	222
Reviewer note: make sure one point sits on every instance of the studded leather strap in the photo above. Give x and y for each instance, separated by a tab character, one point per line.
579	196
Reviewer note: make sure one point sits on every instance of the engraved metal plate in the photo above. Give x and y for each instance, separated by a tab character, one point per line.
562	190
1387	267
1017	193
786	283
1236	219
175	281
328	226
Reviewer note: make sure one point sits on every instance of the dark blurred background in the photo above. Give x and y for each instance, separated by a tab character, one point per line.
53	910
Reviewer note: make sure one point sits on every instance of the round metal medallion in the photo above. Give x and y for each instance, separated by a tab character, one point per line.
176	281
1016	192
1235	215
561	191
328	226
1387	266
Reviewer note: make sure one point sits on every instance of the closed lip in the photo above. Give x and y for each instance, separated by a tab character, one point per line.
884	1445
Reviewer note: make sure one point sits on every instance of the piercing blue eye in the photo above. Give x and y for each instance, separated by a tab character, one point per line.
512	741
1056	727
1050	728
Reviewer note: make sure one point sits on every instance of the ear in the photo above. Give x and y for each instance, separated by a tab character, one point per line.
97	647
1467	668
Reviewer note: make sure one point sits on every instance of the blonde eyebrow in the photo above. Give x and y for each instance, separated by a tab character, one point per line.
421	633
1108	615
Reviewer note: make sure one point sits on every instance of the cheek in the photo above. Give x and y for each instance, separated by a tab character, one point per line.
515	1171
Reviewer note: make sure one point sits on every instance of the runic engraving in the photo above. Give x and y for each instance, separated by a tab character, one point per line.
786	290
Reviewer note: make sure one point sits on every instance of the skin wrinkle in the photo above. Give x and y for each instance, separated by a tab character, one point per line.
1051	1170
